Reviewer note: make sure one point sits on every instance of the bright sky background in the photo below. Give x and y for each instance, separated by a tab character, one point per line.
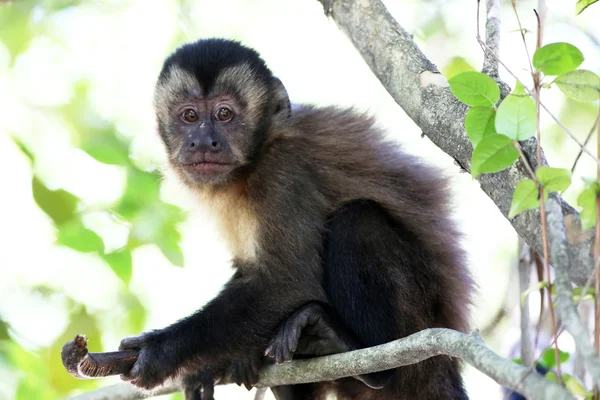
119	46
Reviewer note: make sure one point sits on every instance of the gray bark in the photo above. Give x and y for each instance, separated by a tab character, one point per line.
422	92
527	352
559	250
409	350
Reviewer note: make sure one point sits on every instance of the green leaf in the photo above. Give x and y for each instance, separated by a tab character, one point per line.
548	359
557	58
590	294
493	153
582	5
455	66
97	137
525	197
587	200
32	387
158	225
475	89
137	312
574	386
121	264
24	149
551	376
142	191
581	85
479	123
15	26
76	236
534	288
169	245
554	179
57	5
106	147
60	205
516	116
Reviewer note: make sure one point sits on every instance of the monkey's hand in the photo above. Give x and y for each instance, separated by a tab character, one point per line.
156	360
244	372
308	331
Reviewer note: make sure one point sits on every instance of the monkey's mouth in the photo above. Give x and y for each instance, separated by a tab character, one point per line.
208	168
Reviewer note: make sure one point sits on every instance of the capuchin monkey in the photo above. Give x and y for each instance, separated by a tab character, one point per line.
332	228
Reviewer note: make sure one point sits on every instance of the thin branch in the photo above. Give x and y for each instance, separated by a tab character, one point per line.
538	93
522	31
527	352
596	260
423	93
409	350
525	161
260	394
586	141
565	308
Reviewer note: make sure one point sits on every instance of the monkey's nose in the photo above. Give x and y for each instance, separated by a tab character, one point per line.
204	144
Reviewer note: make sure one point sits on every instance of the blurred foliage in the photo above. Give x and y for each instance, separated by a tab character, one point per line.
150	220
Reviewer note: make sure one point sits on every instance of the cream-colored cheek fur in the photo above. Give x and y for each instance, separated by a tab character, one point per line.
234	218
229	211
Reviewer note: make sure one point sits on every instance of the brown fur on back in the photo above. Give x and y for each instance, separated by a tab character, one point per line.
350	159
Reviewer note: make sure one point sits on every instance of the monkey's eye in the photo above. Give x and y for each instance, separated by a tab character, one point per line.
224	114
190	115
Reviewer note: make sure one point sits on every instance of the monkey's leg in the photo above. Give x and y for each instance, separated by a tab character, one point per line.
311	331
378	280
199	386
308	391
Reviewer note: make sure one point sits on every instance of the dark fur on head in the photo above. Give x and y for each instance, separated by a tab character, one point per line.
206	59
316	207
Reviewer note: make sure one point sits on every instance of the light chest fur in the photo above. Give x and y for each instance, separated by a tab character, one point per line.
237	224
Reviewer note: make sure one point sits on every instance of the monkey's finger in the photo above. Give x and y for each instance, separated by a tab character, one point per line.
133	342
269	351
127	377
292	340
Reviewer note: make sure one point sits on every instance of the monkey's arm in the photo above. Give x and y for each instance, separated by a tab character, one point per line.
234	326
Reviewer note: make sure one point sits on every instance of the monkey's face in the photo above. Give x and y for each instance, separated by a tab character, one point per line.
210	130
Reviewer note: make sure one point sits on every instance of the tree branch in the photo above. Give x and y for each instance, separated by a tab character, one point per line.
423	93
527	351
565	308
492	38
409	350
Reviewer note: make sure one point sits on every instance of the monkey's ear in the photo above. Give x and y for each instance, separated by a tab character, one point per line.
282	109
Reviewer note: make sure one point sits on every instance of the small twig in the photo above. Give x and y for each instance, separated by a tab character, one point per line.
538	89
587	140
525	161
522	31
596	260
527	352
260	394
539	270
